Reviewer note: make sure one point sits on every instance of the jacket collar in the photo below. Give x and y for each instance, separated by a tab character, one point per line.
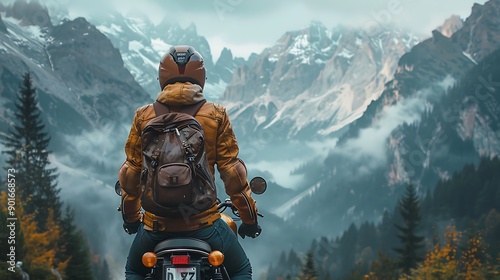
180	94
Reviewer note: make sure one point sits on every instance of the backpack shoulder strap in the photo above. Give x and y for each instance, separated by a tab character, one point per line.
193	109
162	109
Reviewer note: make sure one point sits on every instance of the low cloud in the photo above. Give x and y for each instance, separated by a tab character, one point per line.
88	171
370	147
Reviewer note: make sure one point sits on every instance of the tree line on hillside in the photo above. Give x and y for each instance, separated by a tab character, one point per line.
45	239
450	233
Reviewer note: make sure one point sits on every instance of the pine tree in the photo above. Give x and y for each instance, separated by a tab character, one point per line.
76	251
308	269
348	247
409	208
27	149
294	264
103	272
366	235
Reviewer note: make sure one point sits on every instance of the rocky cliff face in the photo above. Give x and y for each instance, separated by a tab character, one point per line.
226	64
79	75
458	129
437	57
480	36
314	81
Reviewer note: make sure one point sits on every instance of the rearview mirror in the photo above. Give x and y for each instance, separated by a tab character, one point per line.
258	185
118	188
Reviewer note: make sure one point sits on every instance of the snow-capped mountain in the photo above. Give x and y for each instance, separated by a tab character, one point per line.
315	81
80	77
142	43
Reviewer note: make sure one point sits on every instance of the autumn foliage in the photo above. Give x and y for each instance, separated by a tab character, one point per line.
458	257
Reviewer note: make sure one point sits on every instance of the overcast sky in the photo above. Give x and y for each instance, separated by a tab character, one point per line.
248	26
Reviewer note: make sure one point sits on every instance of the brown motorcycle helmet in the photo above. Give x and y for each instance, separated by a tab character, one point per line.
181	64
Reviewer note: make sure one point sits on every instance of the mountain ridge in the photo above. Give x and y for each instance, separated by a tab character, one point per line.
142	43
439	113
312	70
457	49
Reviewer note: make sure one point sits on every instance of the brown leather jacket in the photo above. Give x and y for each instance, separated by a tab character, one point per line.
221	147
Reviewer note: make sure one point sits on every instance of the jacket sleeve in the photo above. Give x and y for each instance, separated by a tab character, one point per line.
129	174
233	172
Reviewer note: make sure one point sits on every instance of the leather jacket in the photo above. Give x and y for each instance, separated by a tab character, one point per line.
221	148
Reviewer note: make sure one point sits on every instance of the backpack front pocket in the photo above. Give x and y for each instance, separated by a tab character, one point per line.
173	185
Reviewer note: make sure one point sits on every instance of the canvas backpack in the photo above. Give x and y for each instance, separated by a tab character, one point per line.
176	177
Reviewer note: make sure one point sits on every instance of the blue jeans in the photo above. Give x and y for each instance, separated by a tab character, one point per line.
219	236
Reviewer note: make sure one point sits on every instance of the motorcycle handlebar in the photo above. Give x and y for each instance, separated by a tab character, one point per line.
258	185
227	203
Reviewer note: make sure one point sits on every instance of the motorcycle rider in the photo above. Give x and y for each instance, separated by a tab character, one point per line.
182	85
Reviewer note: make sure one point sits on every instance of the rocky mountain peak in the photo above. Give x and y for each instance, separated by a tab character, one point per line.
477	9
314	36
480	34
191	28
170	27
87	46
175	34
317	32
451	25
225	58
225	65
314	81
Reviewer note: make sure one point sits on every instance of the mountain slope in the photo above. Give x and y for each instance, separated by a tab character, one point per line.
314	81
80	77
418	131
462	126
435	58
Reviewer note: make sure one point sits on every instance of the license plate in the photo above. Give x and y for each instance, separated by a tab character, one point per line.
181	273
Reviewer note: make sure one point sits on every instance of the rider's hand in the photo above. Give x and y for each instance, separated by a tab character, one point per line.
249	230
131	228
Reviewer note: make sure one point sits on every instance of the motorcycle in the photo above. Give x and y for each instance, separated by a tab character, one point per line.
190	258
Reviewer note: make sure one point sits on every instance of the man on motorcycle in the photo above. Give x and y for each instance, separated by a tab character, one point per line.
182	85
